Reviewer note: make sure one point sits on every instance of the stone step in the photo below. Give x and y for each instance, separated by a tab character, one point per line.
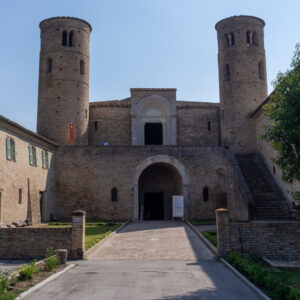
267	202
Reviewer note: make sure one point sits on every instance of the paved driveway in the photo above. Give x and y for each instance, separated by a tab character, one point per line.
154	240
148	260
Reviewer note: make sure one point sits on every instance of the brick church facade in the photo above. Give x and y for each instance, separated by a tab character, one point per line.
125	159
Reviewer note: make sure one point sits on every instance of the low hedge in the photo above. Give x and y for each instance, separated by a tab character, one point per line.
269	281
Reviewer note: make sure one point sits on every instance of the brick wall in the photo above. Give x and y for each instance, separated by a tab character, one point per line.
272	239
192	124
113	125
102	168
29	179
33	242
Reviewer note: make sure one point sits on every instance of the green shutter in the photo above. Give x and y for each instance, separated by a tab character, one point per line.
30	155
48	161
8	149
36	156
15	150
44	159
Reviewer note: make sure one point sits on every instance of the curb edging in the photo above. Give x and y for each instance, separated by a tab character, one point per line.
235	272
255	289
44	282
211	247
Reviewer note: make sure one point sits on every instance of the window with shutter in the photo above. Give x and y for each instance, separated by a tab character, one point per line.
30	155
14	149
36	157
8	149
44	159
48	161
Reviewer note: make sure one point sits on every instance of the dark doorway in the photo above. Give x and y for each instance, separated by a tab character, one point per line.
153	134
154	206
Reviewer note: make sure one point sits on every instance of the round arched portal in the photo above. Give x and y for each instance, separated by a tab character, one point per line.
154	183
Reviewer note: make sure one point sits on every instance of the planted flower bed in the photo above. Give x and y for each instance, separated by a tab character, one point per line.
277	285
13	284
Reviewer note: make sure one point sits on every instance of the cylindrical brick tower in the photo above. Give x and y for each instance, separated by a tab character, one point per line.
242	79
63	101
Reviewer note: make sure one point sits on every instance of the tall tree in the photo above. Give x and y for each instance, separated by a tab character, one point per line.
283	129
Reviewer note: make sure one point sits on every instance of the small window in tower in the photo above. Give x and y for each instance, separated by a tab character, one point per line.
96	125
71	39
227	72
82	67
261	73
64	38
249	37
85	113
208	126
114	194
230	41
20	196
49	65
205	193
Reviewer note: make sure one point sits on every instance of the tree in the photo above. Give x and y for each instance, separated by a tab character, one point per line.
283	129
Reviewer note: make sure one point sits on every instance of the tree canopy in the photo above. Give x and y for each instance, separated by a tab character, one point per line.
283	129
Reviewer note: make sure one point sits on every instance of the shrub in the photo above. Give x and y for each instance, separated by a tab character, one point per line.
4	281
211	235
27	272
277	288
51	262
49	252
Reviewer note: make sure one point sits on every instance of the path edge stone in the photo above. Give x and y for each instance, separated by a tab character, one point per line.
210	246
255	289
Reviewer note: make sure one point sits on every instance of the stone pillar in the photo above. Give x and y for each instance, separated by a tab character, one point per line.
78	234
223	231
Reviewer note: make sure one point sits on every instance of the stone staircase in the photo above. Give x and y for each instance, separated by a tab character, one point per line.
269	200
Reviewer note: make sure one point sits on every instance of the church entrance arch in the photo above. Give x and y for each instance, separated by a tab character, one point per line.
154	183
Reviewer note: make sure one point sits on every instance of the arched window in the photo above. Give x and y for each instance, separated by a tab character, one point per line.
82	67
114	194
49	65
230	41
71	39
205	193
249	37
64	38
227	72
252	38
261	72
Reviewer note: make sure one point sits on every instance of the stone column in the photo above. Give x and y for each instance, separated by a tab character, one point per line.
78	234
223	231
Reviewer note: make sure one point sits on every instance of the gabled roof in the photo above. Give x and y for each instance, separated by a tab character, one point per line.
24	132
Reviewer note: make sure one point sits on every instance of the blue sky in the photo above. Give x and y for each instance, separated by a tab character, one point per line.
137	43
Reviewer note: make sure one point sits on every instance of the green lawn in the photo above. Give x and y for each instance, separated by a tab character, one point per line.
94	231
211	235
